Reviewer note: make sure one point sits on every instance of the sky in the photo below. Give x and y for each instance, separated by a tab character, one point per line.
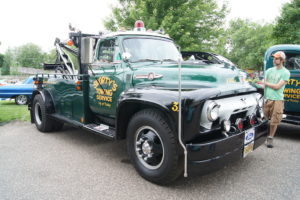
41	21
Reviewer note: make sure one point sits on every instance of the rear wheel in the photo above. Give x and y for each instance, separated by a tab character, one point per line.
153	147
41	119
21	99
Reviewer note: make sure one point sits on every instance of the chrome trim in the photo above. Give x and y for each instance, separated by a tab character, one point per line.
179	120
229	106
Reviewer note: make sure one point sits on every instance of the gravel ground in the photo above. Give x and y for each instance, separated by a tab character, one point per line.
74	164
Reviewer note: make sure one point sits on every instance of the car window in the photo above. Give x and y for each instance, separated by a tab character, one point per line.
107	51
293	62
28	81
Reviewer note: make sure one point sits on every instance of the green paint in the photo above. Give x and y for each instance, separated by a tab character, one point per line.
101	91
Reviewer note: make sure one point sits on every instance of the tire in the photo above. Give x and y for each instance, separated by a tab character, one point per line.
21	99
41	119
153	147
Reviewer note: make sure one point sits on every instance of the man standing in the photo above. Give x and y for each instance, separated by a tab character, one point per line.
275	80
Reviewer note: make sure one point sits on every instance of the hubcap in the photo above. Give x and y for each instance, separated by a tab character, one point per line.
21	99
149	147
38	113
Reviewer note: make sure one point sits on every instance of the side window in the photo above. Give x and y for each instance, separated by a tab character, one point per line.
106	51
293	62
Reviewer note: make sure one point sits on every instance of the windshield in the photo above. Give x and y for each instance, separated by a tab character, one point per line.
293	62
151	49
28	81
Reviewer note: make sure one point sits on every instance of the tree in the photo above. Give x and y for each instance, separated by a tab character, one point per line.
247	43
50	57
30	55
287	27
193	24
9	60
5	69
1	60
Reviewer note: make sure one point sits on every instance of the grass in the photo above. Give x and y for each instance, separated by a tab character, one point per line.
10	111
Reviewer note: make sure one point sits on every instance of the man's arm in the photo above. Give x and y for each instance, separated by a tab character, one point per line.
276	86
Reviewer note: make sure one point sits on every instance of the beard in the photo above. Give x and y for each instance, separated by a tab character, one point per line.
278	64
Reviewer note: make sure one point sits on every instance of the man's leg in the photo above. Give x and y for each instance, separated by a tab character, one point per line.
275	120
273	129
272	132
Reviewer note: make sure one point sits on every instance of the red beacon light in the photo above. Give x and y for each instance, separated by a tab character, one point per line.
139	26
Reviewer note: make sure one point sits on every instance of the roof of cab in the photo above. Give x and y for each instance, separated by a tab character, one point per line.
140	33
282	47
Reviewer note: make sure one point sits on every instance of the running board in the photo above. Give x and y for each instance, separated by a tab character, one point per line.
291	119
99	129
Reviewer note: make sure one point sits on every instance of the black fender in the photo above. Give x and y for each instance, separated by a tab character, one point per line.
47	97
128	105
164	101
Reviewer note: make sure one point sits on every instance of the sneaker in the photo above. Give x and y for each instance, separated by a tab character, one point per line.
270	142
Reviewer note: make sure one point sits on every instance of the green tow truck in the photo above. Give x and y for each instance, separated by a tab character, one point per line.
178	117
292	90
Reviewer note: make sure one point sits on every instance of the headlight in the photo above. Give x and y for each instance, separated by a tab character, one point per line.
239	124
213	111
252	120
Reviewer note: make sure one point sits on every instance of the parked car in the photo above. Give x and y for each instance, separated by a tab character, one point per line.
2	82
20	92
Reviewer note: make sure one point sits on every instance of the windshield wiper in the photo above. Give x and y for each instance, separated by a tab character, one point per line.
168	59
146	60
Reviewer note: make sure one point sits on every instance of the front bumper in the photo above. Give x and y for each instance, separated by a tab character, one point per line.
207	157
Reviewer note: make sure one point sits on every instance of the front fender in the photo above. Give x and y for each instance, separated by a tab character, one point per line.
166	101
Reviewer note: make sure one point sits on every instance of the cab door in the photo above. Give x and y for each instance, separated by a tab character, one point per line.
292	89
106	78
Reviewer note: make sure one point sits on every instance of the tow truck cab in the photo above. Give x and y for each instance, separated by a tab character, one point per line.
129	89
292	89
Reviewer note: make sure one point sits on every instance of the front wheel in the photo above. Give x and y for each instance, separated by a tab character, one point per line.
153	147
21	99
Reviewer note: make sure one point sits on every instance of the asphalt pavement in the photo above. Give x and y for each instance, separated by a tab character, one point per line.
75	164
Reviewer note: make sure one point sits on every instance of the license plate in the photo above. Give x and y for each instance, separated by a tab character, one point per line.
249	141
248	148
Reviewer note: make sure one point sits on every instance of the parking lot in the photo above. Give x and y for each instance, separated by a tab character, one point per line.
74	164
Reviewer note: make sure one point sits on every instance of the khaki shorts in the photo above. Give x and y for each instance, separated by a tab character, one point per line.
273	111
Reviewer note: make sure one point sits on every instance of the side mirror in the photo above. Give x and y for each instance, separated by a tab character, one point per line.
126	56
86	53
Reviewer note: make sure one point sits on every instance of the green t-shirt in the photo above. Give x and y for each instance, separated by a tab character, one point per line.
274	75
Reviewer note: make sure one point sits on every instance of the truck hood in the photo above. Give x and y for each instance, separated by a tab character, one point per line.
194	76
